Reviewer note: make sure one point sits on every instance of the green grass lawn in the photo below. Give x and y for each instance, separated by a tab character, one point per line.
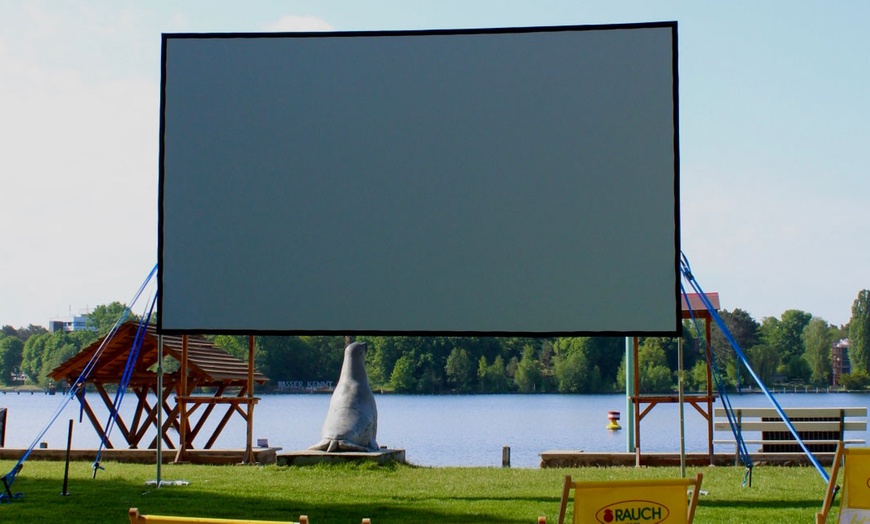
391	494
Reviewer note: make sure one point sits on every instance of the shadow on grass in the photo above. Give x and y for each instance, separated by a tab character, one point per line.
772	504
538	500
108	501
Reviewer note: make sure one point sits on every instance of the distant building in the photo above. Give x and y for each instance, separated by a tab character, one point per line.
70	324
840	363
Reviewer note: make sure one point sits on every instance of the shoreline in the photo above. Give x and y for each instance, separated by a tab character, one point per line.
776	390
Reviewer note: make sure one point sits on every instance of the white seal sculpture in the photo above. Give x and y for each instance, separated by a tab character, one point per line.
352	421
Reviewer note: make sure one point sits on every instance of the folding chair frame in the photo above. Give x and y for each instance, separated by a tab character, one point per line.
695	483
833	488
846	493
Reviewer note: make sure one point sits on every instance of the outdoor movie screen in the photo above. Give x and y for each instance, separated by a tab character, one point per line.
505	182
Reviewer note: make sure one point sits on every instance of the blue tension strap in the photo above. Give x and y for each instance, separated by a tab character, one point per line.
9	478
742	450
125	381
687	272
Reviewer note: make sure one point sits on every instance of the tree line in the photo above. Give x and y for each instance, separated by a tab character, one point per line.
793	348
32	351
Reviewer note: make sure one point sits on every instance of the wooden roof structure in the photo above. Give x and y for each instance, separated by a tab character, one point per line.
695	305
208	365
202	364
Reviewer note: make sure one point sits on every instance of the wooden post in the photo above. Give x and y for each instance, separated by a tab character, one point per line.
629	394
181	399
842	425
682	410
249	444
636	404
707	322
506	457
159	408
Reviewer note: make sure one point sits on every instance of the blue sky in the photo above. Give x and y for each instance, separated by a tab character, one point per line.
774	134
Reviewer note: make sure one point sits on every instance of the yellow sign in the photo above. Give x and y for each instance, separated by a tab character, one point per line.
637	504
856	482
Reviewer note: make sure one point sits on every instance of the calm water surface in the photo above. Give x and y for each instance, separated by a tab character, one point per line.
460	430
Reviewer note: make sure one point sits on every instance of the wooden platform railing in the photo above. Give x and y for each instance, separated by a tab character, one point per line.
820	428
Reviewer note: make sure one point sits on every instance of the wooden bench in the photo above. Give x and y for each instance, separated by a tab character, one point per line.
820	428
137	518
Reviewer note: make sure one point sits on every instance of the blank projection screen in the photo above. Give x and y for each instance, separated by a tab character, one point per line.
504	182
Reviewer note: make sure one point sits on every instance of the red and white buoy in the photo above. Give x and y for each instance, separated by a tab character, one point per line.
613	418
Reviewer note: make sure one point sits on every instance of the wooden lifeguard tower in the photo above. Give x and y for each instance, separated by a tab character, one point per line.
228	380
703	402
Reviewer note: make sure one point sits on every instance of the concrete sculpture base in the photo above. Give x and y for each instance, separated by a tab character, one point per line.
310	457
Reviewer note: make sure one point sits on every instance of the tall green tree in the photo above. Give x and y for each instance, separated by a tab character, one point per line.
11	351
818	338
596	357
103	317
610	351
290	358
764	361
402	378
745	331
32	356
328	354
693	347
429	374
855	381
655	374
492	377
859	333
427	355
43	353
382	356
528	375
23	333
575	365
460	370
696	378
575	374
235	345
786	336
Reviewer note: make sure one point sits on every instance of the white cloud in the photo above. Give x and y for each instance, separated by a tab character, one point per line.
298	23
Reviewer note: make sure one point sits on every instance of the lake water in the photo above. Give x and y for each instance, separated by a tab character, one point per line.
454	430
